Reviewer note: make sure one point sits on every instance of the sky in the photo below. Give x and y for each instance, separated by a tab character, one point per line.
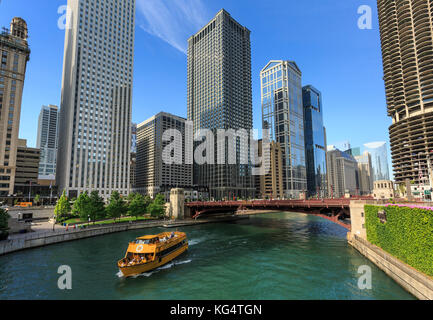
321	36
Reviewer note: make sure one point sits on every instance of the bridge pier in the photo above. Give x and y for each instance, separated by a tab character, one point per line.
357	218
176	209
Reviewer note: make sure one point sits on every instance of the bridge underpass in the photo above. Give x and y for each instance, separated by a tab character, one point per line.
335	210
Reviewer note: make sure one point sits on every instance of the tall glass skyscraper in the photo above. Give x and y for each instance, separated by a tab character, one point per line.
315	142
283	115
379	160
95	114
220	97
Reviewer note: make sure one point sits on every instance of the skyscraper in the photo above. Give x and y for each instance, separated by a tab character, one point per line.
153	174
283	115
406	29
219	97
342	173
47	141
95	114
315	142
364	174
14	55
379	160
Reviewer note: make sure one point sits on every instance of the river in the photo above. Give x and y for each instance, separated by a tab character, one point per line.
269	256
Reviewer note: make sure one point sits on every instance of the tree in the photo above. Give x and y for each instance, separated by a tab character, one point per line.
37	199
157	207
117	206
81	206
4	224
63	208
137	207
97	207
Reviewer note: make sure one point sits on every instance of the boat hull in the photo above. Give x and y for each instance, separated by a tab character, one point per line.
130	271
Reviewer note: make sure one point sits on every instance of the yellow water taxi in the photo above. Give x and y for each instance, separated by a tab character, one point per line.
150	252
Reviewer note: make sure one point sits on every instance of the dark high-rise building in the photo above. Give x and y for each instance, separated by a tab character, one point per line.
219	97
406	29
315	142
153	174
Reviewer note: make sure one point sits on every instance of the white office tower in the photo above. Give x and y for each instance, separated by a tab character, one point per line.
95	113
48	125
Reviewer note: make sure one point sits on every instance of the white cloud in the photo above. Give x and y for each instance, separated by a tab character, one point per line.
173	21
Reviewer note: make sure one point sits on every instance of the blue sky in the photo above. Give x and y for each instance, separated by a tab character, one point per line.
322	36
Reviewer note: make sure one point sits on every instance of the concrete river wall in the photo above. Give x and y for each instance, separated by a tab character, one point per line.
33	240
415	282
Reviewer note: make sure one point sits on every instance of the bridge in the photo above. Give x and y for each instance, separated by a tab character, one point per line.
335	210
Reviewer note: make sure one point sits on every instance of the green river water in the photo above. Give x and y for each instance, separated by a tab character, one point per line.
269	256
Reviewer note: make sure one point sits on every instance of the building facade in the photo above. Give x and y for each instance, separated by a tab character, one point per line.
383	190
27	168
14	55
95	114
270	185
365	174
406	29
220	97
47	138
315	142
379	159
133	160
342	173
153	174
283	115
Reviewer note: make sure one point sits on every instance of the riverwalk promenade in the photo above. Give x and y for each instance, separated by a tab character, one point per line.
44	236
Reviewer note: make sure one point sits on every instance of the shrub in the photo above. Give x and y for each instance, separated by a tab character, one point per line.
407	234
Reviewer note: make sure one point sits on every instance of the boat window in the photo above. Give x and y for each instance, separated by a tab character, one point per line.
142	242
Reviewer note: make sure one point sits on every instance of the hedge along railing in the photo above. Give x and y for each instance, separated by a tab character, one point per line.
404	232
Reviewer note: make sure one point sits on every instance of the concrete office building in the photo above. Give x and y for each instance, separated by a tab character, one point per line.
14	55
220	97
47	138
406	29
270	185
95	114
27	168
153	175
365	174
342	173
283	115
315	142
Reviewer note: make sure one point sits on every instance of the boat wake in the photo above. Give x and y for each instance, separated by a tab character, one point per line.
193	242
148	274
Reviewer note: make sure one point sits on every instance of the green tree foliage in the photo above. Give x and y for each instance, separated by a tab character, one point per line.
63	208
81	206
4	223
117	206
407	234
157	207
37	199
137	207
97	207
